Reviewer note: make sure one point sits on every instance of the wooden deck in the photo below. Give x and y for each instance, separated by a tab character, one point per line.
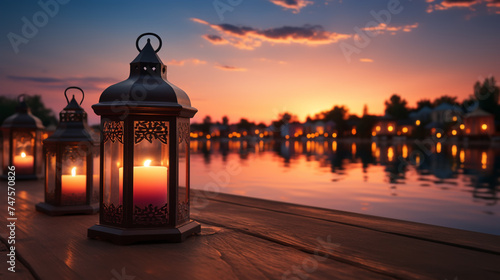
245	238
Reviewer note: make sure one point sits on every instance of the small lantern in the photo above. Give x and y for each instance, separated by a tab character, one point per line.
144	156
22	143
72	164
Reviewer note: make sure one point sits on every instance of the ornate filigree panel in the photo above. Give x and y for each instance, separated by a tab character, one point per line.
112	214
183	131
151	130
150	215
73	154
183	211
72	117
112	130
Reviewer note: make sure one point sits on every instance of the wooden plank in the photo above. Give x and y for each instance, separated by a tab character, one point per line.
244	238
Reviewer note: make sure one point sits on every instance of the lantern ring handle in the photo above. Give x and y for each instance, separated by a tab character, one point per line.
65	93
146	34
21	96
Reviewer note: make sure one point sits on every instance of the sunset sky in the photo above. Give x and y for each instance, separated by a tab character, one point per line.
255	58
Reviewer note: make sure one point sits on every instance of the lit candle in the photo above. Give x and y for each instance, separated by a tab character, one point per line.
150	184
23	163
73	185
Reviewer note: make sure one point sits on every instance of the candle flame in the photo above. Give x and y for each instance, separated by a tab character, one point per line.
23	154
73	171
147	162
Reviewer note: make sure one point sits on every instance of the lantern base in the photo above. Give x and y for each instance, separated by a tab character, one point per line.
67	209
125	236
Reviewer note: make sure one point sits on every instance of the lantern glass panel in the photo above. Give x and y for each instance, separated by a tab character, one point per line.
50	177
39	152
112	169
74	176
6	151
151	164
23	152
95	183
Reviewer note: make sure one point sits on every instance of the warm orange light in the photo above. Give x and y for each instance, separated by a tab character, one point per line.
417	122
405	129
208	137
261	135
405	151
462	156
287	137
390	128
454	150
146	163
353	131
256	131
23	154
454	118
73	171
438	135
484	126
334	146
374	133
454	132
390	154
484	160
334	135
377	128
438	147
326	134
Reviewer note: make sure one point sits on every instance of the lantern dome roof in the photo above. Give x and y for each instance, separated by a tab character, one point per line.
23	117
146	90
73	125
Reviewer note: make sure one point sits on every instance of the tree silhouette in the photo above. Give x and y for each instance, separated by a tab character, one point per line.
452	100
487	95
38	109
424	103
396	107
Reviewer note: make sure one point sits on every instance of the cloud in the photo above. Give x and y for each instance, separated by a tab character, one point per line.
369	60
471	5
263	59
295	5
194	61
230	68
383	28
86	83
249	38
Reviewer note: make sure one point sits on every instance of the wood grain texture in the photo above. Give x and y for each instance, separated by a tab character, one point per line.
245	238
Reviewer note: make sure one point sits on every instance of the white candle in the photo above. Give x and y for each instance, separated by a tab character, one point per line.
23	163
150	184
74	186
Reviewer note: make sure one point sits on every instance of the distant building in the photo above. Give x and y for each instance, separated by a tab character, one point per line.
385	126
479	123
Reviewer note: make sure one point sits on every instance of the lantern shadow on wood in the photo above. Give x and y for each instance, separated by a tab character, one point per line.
144	156
72	164
22	143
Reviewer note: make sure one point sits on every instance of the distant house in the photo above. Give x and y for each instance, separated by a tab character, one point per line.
422	116
385	126
445	113
405	127
479	123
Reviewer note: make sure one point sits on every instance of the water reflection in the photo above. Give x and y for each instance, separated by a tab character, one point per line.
409	170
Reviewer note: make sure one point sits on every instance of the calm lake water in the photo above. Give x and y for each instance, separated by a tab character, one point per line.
450	185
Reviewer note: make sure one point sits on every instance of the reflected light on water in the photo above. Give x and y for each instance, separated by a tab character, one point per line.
390	154
484	160
438	147
442	189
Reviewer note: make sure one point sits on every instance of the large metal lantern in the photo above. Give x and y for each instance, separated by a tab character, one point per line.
72	164
22	143
144	156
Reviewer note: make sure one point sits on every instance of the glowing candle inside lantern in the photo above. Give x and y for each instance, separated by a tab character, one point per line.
150	184
23	163
73	185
